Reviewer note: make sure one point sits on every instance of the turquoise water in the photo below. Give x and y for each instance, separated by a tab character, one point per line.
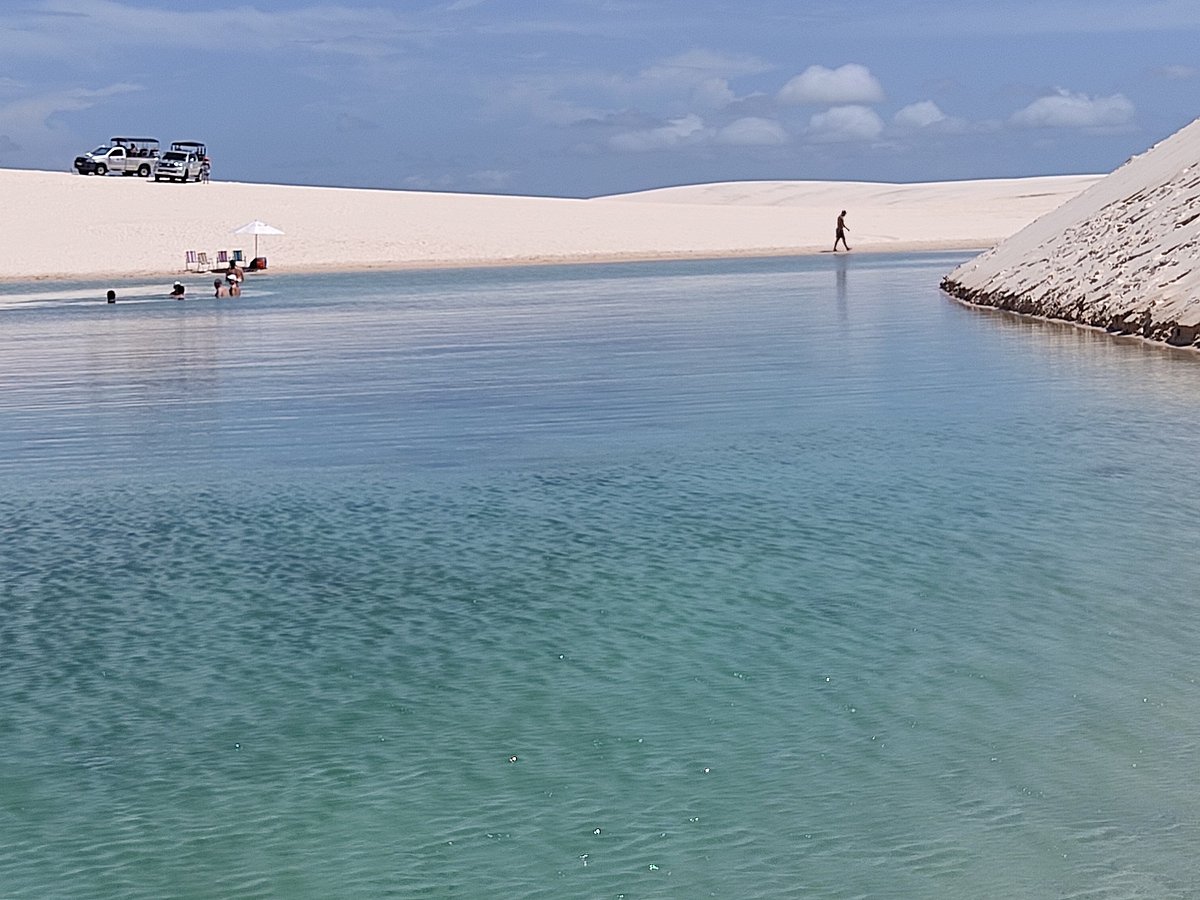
737	579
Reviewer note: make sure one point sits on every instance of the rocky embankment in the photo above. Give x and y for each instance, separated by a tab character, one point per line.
1123	256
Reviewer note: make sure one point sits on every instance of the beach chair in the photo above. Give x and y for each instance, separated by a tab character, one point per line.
202	262
222	259
239	257
191	261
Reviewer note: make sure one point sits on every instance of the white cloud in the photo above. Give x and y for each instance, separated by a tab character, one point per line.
1177	72
491	179
927	117
427	182
752	131
845	124
688	82
1000	21
701	76
686	129
919	115
713	93
819	86
31	124
1066	110
65	28
540	98
700	65
34	111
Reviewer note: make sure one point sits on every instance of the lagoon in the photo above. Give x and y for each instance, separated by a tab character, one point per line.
743	578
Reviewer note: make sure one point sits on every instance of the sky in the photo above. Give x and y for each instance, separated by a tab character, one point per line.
581	98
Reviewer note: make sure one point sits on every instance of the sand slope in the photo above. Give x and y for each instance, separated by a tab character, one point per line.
59	224
1124	255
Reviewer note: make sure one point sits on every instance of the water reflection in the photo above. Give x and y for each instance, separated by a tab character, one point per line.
840	263
1067	337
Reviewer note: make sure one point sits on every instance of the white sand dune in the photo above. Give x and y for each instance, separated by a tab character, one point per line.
1123	256
62	225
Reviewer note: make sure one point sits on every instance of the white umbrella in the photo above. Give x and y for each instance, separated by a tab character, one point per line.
256	228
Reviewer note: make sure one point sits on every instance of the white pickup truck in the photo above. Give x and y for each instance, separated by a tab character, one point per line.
183	162
128	156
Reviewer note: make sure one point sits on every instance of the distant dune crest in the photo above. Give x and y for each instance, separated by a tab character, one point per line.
1123	256
60	225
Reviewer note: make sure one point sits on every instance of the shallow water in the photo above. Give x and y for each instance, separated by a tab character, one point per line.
734	579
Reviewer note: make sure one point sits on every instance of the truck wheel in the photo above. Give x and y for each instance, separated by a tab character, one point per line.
101	169
143	171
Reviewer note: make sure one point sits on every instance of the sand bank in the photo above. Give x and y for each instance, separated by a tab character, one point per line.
1122	256
63	225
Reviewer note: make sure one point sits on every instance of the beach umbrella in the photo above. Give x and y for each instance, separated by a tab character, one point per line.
256	228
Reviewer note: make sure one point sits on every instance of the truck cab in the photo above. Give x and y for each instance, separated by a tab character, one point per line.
125	155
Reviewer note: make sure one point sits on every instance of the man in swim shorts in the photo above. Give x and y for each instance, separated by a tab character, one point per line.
840	233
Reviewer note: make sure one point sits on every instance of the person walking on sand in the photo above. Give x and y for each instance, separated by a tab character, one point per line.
840	233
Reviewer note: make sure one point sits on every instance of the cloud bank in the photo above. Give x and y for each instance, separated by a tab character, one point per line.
819	86
1064	109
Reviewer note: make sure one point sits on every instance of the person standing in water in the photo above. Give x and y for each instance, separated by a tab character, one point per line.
840	233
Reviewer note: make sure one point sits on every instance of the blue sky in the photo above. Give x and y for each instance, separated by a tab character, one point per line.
589	97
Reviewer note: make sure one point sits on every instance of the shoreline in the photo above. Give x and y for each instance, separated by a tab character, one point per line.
512	262
60	226
1072	325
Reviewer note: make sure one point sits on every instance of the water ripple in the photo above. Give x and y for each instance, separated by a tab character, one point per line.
711	584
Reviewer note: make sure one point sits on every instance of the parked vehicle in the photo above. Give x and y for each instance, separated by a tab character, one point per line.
181	163
191	147
127	155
